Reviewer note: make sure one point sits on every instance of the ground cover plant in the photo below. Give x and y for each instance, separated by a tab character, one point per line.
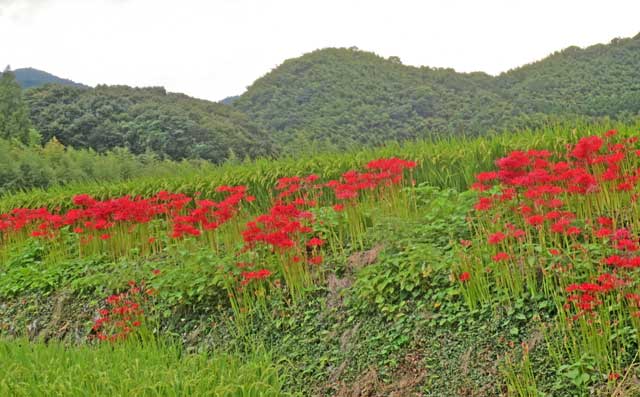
358	279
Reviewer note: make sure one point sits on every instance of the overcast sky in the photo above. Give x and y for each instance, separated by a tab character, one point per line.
216	48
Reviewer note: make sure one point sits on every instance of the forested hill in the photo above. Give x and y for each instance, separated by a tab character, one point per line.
346	96
601	80
143	120
341	98
29	78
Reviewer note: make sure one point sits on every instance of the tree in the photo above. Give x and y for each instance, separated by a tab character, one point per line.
14	116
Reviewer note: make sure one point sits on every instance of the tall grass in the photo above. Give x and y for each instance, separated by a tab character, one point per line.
133	369
450	163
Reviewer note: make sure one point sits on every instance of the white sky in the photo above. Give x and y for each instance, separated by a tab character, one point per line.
216	48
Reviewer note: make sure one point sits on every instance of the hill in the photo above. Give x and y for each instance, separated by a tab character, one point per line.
30	77
601	80
342	98
173	126
350	97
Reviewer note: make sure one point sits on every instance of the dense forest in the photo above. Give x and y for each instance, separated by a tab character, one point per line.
172	126
347	96
29	161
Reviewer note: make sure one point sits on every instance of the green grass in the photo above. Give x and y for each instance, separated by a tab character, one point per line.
132	369
445	163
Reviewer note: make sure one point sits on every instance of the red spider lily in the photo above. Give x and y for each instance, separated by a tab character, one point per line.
286	228
124	313
500	257
315	242
587	148
262	274
496	238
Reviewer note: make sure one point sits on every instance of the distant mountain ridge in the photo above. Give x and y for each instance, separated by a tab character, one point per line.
30	78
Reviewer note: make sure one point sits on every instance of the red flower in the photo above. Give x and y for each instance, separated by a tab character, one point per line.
535	220
500	256
464	277
315	242
605	222
496	238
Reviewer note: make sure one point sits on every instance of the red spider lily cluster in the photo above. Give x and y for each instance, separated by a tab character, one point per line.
539	195
282	241
94	218
382	172
124	314
563	204
287	228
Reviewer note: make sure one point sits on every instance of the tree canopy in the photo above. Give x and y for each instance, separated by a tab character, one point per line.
14	116
173	126
349	97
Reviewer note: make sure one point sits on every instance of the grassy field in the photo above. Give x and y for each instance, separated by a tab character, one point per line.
132	369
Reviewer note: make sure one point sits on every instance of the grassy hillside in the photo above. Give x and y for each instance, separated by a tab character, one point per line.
354	272
445	163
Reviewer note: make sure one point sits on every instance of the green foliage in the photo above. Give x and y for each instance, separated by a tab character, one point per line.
133	369
31	166
418	248
14	117
340	97
447	163
172	126
581	374
396	279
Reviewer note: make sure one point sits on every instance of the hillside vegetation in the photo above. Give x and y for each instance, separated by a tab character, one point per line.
171	126
345	97
30	78
152	245
339	98
365	272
